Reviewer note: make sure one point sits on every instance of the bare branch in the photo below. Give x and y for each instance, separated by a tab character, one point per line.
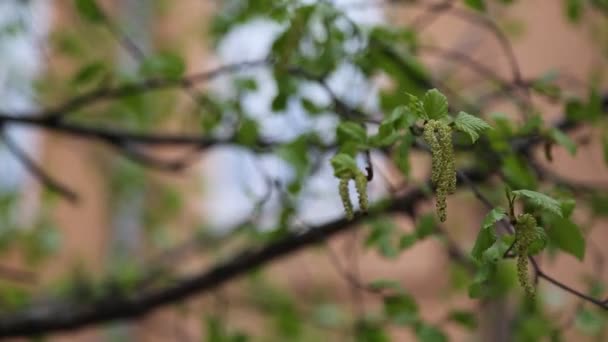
37	171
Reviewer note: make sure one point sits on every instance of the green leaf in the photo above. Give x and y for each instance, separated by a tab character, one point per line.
471	125
383	237
401	309
164	64
495	253
351	131
466	319
599	204
429	333
541	201
492	217
344	165
573	9
416	107
567	205
589	322
518	173
407	241
563	140
478	5
89	10
387	135
567	236
89	73
435	104
248	132
425	226
485	239
370	331
486	236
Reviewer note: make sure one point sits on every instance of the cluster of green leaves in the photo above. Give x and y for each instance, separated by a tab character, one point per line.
431	111
525	240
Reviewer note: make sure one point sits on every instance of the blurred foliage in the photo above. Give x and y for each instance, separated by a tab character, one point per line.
315	40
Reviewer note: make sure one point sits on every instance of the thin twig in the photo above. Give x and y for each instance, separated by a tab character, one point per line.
38	172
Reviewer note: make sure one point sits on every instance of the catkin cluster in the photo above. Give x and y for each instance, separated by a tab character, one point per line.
524	236
438	135
361	186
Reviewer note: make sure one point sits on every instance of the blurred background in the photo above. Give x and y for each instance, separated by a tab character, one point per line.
128	216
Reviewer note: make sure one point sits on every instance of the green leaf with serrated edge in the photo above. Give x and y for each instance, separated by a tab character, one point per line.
344	165
492	217
435	104
470	125
563	140
568	237
540	200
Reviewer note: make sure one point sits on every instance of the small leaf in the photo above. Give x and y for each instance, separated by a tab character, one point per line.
343	165
401	309
540	200
407	241
493	216
425	226
471	125
370	331
563	140
478	5
429	333
164	64
567	205
518	173
89	10
589	322
386	135
248	132
573	9
415	106
485	239
351	131
435	104
465	318
89	73
567	236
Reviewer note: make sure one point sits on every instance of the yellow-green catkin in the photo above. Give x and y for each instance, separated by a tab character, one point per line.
524	236
361	186
345	196
438	135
